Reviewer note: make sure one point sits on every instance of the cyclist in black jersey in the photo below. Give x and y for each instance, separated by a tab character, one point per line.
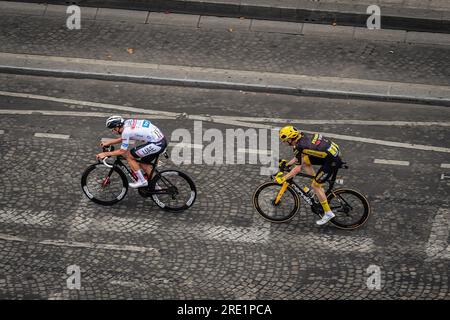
308	151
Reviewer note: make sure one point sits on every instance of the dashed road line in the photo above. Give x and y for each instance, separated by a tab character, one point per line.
391	162
445	165
2	131
51	135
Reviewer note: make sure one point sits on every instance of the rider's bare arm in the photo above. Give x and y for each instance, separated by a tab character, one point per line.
110	142
290	163
118	152
296	170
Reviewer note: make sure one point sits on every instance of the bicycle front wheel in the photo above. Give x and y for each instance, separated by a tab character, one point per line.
350	207
173	190
264	202
103	185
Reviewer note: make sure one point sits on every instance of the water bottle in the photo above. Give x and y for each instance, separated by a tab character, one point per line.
309	192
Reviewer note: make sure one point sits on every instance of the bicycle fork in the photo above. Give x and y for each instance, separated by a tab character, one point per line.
281	192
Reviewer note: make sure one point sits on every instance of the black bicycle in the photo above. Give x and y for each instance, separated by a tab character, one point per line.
279	203
106	184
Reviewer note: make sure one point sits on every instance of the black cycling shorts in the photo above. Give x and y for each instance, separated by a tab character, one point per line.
328	166
146	153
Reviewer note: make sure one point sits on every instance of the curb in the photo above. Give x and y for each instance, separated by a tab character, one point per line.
209	78
411	19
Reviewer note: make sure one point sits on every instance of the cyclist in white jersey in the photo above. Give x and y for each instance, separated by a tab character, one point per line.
141	130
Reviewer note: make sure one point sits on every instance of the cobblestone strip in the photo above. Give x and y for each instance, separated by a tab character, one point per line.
437	246
27	217
213	78
256	51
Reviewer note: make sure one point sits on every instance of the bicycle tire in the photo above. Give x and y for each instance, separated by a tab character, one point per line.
285	218
365	204
92	197
163	204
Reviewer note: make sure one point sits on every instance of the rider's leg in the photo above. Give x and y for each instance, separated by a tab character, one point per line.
134	165
320	178
148	168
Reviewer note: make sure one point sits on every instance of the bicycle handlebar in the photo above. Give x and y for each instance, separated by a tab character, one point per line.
105	163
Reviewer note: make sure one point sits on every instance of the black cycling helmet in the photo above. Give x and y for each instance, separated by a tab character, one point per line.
114	121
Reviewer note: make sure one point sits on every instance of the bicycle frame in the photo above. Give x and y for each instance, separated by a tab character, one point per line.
300	191
118	163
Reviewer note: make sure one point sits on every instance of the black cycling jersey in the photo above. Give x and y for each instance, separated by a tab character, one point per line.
319	151
319	147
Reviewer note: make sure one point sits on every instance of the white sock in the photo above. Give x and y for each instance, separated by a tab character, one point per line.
140	175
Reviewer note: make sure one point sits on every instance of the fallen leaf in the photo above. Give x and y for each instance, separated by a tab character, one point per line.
230	30
130	50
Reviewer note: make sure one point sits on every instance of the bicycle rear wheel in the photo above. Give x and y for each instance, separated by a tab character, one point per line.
103	185
350	207
264	202
173	190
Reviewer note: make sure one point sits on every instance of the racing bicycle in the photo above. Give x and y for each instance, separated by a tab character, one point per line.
279	203
107	183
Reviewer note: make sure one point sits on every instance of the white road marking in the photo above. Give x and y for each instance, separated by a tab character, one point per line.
76	114
445	165
339	122
86	103
391	162
51	135
2	132
226	121
420	147
437	245
443	176
81	245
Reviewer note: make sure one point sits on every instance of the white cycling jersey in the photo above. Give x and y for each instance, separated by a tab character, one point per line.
140	129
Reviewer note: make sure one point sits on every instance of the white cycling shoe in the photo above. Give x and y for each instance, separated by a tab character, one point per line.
327	217
138	184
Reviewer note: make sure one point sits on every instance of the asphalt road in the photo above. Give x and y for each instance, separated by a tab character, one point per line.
220	248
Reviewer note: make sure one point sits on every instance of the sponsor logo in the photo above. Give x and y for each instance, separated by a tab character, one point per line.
86	191
191	199
122	194
155	198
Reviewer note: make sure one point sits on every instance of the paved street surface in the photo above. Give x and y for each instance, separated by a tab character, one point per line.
335	55
221	248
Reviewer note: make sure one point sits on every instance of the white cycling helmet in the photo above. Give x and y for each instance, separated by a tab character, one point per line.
114	121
